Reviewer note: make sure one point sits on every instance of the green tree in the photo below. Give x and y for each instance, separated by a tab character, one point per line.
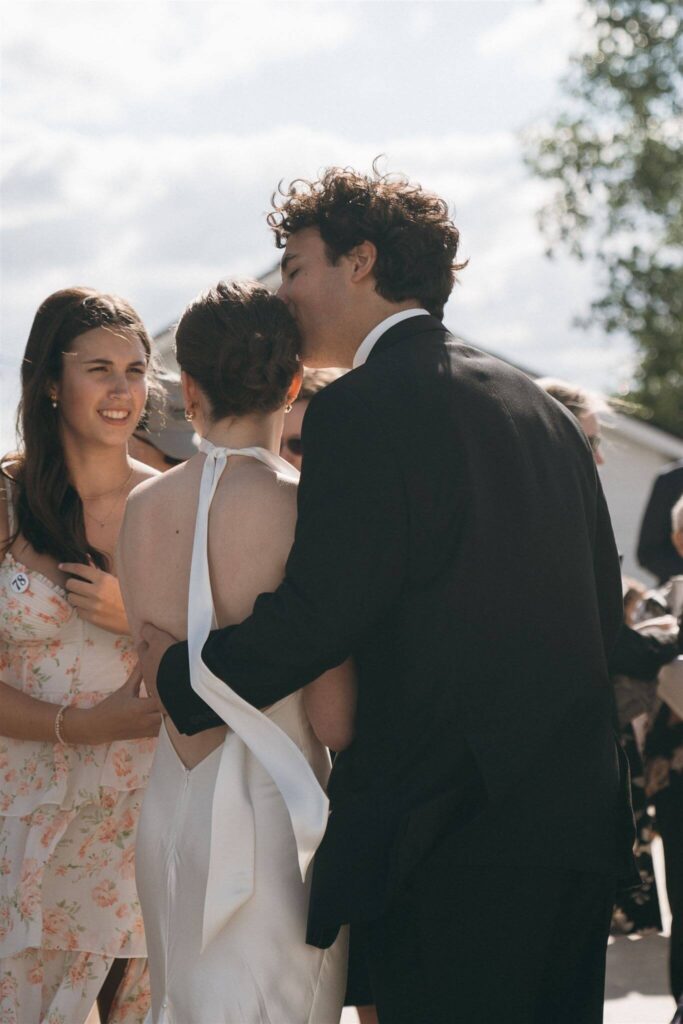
614	154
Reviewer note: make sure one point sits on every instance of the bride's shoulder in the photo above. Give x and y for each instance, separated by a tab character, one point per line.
254	515
255	480
153	489
255	494
141	473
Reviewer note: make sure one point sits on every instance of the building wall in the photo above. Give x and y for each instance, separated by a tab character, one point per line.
627	477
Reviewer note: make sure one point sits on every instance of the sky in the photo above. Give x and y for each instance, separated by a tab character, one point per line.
141	143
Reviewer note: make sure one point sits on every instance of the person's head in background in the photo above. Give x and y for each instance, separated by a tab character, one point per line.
677	526
585	405
165	438
313	382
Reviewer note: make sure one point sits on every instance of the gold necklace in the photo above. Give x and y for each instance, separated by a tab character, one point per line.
105	494
103	522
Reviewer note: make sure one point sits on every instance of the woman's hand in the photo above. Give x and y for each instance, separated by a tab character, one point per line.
123	715
96	596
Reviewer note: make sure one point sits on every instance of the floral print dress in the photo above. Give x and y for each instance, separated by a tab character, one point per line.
68	819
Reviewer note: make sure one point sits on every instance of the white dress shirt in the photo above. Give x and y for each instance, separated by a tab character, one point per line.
366	346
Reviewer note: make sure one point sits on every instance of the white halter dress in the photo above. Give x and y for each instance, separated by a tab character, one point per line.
224	848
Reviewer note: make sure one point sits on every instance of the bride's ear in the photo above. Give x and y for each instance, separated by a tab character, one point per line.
190	394
295	386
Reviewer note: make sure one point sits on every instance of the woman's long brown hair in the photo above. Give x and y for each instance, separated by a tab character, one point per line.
49	511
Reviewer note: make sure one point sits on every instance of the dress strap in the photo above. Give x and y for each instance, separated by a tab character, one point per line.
231	862
274	462
10	497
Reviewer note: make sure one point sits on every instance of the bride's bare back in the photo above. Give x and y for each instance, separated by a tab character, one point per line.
251	528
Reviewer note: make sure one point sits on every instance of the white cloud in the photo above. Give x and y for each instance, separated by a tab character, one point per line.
116	177
87	69
537	36
157	221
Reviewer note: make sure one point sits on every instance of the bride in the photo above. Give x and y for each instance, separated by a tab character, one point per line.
232	815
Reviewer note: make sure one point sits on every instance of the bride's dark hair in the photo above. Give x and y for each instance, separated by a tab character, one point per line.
240	344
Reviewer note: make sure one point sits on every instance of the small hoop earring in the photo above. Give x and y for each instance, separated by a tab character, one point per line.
189	415
288	407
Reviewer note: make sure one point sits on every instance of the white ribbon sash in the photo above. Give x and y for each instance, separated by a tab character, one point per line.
230	880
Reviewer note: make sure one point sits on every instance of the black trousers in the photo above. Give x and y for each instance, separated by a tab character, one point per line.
669	809
496	944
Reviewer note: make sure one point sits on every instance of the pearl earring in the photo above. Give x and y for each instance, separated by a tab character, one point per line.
53	402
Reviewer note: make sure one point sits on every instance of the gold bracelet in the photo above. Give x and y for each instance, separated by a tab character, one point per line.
58	725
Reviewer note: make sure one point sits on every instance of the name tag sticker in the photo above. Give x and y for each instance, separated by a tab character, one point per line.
19	583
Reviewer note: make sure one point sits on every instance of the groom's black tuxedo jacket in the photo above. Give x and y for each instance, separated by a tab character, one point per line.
453	537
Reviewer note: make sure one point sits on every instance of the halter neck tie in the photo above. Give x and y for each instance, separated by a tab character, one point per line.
231	862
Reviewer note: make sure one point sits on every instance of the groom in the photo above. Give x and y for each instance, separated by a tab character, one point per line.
453	538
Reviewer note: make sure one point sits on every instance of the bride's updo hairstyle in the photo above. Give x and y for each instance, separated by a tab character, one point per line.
240	344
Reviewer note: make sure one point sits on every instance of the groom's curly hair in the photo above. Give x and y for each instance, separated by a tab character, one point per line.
415	237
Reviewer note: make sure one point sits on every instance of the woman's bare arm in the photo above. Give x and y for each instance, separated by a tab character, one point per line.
330	703
123	715
149	566
24	717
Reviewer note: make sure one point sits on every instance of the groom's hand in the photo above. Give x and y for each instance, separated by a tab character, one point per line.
151	649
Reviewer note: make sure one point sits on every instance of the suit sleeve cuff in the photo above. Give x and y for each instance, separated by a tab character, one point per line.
187	710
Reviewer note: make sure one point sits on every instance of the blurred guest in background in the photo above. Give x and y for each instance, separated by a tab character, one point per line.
75	743
313	382
585	405
664	784
634	664
634	654
634	599
164	438
656	550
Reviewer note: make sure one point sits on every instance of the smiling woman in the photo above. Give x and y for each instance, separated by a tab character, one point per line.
83	381
75	734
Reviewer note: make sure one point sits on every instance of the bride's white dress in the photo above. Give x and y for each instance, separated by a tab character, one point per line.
224	848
